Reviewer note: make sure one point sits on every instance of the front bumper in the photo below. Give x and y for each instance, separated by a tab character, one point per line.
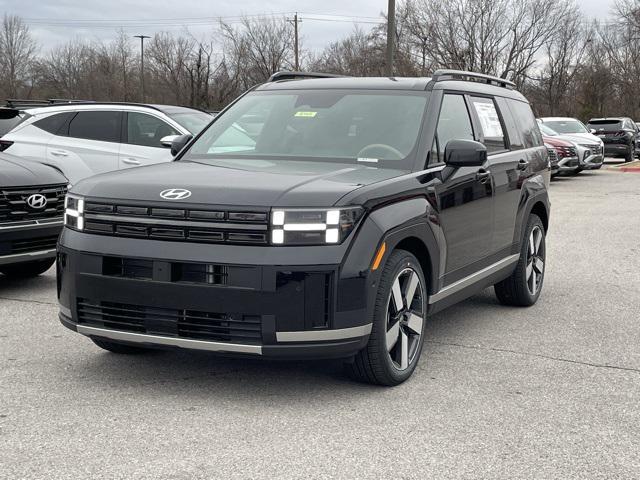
28	241
171	295
593	162
569	164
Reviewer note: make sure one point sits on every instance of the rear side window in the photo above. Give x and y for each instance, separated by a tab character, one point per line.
147	130
529	131
606	125
102	126
454	123
54	123
492	134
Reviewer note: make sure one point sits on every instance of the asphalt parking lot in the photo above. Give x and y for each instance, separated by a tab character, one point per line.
552	391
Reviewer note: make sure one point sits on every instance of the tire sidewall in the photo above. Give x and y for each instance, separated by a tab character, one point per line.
534	221
397	262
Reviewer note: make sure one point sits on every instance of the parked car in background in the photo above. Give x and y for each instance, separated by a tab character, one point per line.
590	150
334	232
31	215
554	167
84	139
619	135
566	154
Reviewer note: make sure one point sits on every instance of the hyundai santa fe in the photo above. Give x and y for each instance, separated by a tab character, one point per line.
315	218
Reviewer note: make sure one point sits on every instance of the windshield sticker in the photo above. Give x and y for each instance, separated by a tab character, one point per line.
368	160
306	114
489	119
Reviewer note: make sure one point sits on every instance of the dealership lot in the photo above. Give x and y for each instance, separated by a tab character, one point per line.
545	392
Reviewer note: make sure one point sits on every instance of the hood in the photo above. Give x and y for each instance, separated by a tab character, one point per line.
18	172
238	182
557	141
580	138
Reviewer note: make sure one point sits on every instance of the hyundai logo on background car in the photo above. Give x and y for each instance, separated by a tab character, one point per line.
37	201
175	194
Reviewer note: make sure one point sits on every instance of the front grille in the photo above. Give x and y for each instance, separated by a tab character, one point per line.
564	152
14	207
177	323
179	272
34	244
553	156
186	225
595	149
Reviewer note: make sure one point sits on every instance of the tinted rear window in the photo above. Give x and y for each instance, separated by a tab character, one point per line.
523	116
53	123
8	124
606	125
101	126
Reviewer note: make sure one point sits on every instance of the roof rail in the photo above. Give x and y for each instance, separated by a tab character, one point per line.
441	75
22	103
285	75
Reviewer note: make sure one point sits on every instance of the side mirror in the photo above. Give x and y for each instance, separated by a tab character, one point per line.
179	142
168	140
465	153
593	131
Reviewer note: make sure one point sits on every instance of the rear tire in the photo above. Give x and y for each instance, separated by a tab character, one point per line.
119	348
399	319
631	154
522	288
28	269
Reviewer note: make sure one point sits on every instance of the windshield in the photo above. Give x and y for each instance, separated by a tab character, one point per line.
566	126
547	131
375	128
193	121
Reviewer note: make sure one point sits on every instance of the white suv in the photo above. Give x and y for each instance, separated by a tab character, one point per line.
81	140
590	147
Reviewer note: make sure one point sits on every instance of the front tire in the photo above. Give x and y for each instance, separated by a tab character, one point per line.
522	288
399	318
28	269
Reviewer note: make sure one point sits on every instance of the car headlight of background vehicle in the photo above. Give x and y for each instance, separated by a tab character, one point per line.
319	226
74	212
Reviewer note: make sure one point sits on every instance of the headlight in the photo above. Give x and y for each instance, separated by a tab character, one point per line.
300	226
73	212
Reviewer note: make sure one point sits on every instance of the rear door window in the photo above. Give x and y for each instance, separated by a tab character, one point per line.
491	130
529	131
454	123
103	126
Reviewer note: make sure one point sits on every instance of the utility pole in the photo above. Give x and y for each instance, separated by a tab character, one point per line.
391	35
141	37
296	40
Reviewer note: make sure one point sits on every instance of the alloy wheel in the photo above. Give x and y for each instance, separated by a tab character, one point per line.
535	260
405	318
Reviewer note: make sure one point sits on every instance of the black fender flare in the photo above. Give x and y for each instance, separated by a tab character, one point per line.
533	194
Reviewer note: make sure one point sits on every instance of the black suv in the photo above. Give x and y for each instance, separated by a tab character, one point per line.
619	135
31	211
321	217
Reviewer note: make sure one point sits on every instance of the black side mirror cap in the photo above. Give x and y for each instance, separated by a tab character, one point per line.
465	153
179	142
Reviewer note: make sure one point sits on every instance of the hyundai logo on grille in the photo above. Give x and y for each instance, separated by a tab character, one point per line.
37	201
175	194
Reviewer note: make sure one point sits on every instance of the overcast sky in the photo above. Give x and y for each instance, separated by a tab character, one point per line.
53	23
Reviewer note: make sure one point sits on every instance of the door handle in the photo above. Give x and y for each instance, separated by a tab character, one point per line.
523	164
59	153
483	175
131	161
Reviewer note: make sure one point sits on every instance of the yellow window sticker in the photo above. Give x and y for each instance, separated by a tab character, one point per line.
306	114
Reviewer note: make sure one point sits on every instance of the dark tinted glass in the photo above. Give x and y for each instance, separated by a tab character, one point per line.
53	123
147	130
454	123
103	126
527	124
492	134
606	125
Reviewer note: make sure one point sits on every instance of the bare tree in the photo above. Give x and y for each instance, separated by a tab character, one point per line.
17	52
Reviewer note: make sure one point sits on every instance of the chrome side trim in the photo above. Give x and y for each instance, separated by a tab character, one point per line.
171	341
31	224
323	335
28	256
473	278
